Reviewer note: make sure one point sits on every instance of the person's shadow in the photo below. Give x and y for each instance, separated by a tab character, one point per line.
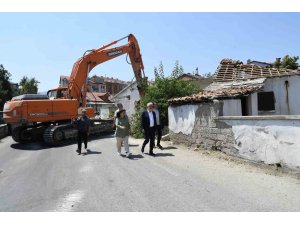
89	152
133	157
161	154
168	148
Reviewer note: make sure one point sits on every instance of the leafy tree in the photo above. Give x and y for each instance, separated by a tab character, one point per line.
287	62
277	63
163	89
177	70
5	88
28	85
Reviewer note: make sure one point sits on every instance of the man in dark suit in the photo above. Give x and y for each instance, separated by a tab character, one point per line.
148	123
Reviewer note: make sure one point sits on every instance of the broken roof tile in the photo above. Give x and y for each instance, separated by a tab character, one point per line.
230	70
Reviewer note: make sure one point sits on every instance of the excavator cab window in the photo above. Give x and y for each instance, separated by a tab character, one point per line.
54	94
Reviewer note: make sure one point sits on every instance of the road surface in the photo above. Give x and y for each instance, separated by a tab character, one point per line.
34	177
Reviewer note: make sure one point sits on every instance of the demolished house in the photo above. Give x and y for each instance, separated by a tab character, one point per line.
249	111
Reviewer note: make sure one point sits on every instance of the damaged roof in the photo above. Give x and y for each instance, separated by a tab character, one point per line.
234	79
230	70
222	90
97	97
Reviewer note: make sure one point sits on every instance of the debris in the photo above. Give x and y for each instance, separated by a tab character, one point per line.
165	137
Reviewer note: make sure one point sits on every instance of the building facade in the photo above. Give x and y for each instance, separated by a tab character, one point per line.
129	97
249	112
101	104
99	84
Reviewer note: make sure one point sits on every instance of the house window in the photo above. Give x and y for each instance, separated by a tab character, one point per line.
266	101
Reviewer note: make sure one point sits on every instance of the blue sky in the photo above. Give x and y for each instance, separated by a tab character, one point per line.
46	45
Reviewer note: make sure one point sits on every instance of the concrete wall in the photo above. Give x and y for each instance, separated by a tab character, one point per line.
232	107
182	119
106	110
252	104
3	130
287	101
267	139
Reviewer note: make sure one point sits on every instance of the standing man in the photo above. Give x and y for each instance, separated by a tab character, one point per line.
83	127
148	123
158	125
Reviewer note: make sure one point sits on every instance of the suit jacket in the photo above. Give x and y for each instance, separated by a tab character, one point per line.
145	123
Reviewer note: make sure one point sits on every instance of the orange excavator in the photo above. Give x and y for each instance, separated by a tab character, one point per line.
50	116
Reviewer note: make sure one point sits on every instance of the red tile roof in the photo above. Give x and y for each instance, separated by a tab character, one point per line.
97	97
222	93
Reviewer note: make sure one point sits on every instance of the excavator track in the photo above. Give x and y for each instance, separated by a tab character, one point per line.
55	135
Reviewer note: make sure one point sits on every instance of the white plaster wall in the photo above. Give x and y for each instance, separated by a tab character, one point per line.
129	104
277	85
182	118
252	104
268	141
104	111
232	107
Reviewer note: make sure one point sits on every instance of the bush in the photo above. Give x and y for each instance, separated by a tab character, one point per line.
135	128
163	89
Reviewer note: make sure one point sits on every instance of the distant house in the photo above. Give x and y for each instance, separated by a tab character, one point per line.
101	103
99	84
249	111
63	81
201	82
129	97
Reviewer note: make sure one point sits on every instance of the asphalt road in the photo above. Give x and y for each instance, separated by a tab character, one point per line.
36	178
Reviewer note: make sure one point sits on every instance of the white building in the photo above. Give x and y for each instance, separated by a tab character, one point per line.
249	111
129	97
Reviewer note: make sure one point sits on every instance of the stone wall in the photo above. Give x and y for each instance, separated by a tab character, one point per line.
195	125
266	139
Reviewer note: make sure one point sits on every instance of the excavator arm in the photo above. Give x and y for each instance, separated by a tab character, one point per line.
78	80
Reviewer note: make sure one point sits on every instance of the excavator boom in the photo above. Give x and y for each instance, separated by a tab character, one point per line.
78	80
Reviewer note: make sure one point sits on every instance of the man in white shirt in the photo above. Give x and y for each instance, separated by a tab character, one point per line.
159	126
148	124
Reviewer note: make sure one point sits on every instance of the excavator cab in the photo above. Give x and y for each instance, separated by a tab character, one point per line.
57	93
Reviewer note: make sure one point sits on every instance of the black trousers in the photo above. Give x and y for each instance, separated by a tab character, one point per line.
82	136
158	133
149	135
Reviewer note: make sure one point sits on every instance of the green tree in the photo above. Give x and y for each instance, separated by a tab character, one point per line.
287	62
163	88
177	70
5	87
28	85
